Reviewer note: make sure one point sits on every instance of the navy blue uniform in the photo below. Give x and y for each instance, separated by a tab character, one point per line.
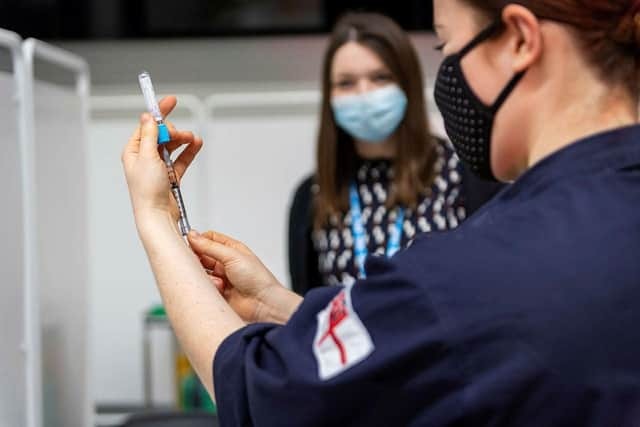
526	315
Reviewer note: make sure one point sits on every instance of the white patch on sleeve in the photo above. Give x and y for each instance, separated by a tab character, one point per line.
341	340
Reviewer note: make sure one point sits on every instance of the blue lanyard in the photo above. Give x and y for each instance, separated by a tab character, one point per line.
359	239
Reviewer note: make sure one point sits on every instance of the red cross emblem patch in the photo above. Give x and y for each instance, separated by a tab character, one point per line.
341	339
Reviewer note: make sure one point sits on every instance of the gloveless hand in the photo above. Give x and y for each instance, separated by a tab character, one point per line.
248	286
144	168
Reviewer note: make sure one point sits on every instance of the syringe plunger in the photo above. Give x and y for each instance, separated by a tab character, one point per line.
152	106
149	95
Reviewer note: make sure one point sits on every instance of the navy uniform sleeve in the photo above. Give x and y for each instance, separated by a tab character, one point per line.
311	372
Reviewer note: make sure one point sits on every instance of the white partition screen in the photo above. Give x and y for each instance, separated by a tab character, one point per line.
62	235
260	147
58	143
13	367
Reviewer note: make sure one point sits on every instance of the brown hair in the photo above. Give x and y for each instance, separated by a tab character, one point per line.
608	30
336	154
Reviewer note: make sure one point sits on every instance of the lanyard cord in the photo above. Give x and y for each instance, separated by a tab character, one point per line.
358	231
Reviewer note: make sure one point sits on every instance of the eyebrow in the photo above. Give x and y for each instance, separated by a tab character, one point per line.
374	71
343	75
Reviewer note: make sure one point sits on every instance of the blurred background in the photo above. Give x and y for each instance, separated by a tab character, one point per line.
118	19
86	337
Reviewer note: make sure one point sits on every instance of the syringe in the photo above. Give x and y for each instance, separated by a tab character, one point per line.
163	137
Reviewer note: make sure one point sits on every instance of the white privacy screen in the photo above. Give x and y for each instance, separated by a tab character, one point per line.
61	184
12	366
256	157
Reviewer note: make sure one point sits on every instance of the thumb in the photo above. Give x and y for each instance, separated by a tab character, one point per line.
148	136
203	246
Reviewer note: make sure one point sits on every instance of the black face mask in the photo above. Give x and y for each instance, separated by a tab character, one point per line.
467	120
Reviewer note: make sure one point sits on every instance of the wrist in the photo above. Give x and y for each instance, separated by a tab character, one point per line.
276	304
149	221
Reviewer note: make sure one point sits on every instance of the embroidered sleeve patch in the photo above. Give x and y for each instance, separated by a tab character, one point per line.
341	340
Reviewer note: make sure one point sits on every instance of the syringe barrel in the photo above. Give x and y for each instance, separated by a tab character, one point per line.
173	180
183	221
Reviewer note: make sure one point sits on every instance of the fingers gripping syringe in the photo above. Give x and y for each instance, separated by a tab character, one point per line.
163	138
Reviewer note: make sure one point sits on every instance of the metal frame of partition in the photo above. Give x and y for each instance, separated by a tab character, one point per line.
33	49
191	103
31	333
274	98
258	99
299	97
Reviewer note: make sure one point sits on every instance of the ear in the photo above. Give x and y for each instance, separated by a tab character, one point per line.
527	43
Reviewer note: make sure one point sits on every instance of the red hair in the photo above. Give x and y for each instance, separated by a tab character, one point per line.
608	31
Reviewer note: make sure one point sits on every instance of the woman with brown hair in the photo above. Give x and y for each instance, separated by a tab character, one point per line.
381	178
525	315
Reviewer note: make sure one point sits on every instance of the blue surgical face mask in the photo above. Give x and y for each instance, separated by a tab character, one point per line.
373	116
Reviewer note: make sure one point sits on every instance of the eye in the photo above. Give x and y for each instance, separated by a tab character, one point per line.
382	78
440	47
344	84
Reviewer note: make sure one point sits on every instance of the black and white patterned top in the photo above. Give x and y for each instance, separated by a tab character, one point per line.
440	208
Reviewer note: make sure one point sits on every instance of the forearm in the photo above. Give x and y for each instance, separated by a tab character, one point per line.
200	317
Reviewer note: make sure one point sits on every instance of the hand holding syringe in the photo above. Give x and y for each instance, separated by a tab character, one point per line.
163	139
